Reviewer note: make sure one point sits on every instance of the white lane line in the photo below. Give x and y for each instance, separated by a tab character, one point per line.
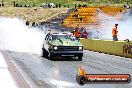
6	80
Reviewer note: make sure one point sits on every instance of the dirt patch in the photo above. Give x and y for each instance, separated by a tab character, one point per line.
32	14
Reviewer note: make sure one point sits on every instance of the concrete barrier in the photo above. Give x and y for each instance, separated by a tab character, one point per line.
119	48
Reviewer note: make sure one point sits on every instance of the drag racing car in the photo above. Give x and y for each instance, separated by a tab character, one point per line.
62	45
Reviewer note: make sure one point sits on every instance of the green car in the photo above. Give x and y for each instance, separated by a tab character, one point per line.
62	45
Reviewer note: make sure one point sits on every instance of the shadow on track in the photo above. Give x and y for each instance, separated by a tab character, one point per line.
63	59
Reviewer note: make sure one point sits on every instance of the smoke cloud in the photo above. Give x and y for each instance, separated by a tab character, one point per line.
16	36
108	22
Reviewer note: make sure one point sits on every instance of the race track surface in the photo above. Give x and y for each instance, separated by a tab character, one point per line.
43	73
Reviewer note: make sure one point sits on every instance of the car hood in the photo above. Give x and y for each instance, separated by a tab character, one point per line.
66	42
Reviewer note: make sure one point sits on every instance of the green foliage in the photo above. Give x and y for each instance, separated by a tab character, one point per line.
69	2
37	2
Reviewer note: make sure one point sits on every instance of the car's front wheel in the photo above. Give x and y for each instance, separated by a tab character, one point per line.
50	56
44	53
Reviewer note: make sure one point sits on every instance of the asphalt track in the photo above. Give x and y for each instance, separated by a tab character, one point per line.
43	73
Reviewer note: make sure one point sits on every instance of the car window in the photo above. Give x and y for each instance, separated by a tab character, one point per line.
70	37
56	37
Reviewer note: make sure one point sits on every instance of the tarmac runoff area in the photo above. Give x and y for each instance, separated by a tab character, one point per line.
6	80
42	73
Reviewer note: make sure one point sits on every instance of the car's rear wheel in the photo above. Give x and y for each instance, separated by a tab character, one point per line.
80	58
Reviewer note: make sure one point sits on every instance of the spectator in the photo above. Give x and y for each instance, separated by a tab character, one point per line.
124	6
42	23
84	34
120	11
81	19
33	24
37	24
27	23
56	5
59	5
76	33
20	5
25	5
49	6
82	29
114	33
97	11
79	5
14	3
47	36
3	4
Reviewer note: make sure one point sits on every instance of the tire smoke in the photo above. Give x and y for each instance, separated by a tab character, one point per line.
108	22
16	36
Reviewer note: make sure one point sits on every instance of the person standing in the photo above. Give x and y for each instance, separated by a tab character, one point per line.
47	36
114	33
84	34
33	24
76	33
82	29
59	5
27	23
97	11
